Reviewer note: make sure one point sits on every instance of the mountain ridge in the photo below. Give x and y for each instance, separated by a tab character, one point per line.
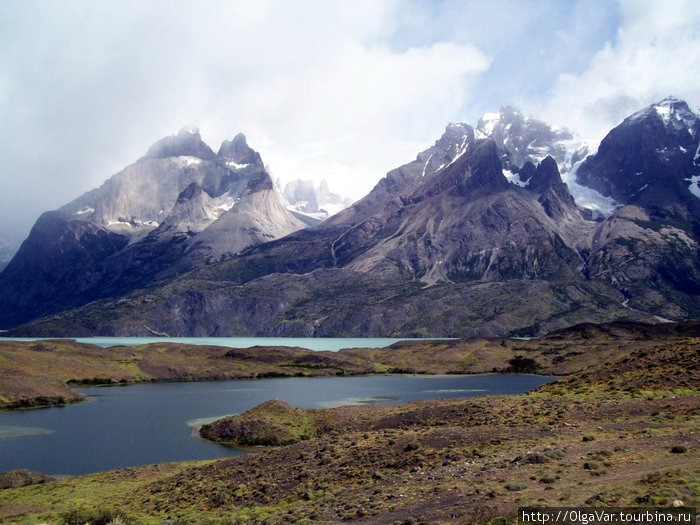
438	243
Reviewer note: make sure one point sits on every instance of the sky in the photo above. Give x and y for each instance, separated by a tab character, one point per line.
323	89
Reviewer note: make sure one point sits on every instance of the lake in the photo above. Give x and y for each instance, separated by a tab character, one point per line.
152	422
311	343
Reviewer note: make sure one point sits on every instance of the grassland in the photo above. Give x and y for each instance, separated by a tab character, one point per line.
619	428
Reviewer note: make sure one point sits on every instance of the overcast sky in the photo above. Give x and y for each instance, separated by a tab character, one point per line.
322	88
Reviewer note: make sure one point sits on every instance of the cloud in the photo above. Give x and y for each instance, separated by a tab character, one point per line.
86	87
655	54
322	88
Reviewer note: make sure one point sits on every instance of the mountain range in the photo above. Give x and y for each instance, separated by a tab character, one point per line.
479	235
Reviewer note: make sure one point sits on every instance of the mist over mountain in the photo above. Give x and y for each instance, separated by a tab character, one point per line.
315	201
178	207
510	227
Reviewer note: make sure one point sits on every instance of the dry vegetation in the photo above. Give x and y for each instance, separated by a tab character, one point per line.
620	429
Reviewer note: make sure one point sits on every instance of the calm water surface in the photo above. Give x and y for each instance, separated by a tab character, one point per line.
151	423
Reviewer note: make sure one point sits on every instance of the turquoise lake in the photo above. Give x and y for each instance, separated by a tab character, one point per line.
312	343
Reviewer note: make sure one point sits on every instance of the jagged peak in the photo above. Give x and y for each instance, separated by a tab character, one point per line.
238	152
546	175
187	142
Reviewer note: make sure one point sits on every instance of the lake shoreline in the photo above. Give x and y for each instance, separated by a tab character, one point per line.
619	431
34	372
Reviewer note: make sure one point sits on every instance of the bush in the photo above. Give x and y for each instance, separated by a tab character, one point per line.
679	449
515	486
554	453
412	445
522	365
591	465
106	516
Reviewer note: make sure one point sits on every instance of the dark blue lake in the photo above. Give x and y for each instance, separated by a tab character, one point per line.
152	422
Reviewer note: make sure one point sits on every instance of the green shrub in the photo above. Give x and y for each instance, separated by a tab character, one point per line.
554	453
412	445
106	516
515	486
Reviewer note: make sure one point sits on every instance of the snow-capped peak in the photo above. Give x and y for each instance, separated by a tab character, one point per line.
673	112
488	122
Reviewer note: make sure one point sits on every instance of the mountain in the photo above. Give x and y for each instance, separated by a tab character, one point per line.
479	235
317	202
178	207
7	251
648	248
651	160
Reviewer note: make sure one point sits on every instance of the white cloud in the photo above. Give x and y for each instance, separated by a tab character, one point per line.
322	88
312	84
655	54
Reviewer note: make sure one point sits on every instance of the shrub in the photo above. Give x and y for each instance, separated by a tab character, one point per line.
412	445
554	453
679	449
522	365
106	516
515	486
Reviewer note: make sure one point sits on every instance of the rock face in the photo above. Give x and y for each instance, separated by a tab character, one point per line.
478	235
177	208
650	160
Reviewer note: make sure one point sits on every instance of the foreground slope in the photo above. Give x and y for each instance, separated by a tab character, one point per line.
620	429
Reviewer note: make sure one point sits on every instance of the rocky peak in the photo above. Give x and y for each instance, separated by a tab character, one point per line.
545	175
650	159
674	114
192	191
523	138
477	171
187	143
237	153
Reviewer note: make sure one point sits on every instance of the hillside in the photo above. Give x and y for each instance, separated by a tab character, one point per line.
621	429
478	236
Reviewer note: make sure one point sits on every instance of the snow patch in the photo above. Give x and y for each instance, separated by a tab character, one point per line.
694	185
426	164
514	178
85	210
119	223
664	111
226	205
188	160
236	166
462	150
488	122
